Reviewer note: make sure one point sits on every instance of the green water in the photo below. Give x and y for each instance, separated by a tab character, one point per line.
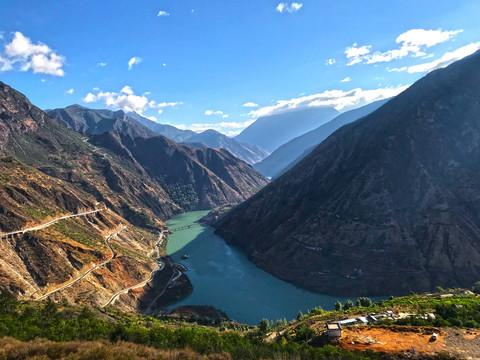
223	277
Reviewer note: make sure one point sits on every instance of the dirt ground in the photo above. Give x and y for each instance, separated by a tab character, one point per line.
461	342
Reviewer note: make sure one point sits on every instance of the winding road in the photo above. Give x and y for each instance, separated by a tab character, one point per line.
114	254
176	274
43	226
159	267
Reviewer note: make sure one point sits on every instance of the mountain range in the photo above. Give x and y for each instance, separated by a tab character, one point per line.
290	153
386	205
96	122
272	131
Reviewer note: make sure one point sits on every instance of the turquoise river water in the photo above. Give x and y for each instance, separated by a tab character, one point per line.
223	277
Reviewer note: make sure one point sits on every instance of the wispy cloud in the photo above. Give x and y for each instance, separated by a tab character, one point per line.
412	43
347	79
22	54
339	99
134	61
292	8
70	92
102	64
163	13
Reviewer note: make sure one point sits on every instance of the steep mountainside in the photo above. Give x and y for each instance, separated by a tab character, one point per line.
387	204
295	149
194	178
251	154
270	132
168	131
93	121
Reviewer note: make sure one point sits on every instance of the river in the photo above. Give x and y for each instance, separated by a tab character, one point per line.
223	277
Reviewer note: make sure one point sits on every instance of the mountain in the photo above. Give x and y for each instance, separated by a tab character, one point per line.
246	152
92	121
295	150
272	131
168	131
194	178
385	205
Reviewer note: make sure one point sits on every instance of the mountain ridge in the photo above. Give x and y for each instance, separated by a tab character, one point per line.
387	204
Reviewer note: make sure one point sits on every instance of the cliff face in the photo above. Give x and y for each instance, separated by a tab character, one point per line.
385	205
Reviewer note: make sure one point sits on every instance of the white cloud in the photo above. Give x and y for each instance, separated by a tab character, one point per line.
127	100
413	43
211	112
355	53
153	118
250	104
134	61
127	90
102	64
163	13
160	111
42	80
347	79
339	99
293	7
228	128
446	59
330	61
403	68
29	56
164	65
168	104
89	98
70	92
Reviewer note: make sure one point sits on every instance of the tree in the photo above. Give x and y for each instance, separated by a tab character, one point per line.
264	325
299	316
8	303
338	306
438	289
348	305
476	287
363	302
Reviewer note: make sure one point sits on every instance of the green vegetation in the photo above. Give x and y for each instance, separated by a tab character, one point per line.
26	322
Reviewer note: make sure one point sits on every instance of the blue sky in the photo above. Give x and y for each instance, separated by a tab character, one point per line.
195	63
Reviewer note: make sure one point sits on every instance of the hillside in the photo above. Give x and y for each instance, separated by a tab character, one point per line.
193	178
296	149
251	154
386	205
93	121
272	131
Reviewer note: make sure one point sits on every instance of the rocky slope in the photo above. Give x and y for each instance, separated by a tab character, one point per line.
272	131
385	205
251	154
296	149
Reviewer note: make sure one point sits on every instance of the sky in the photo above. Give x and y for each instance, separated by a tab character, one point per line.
200	64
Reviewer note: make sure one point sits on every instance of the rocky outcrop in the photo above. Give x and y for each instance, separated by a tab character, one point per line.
385	205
